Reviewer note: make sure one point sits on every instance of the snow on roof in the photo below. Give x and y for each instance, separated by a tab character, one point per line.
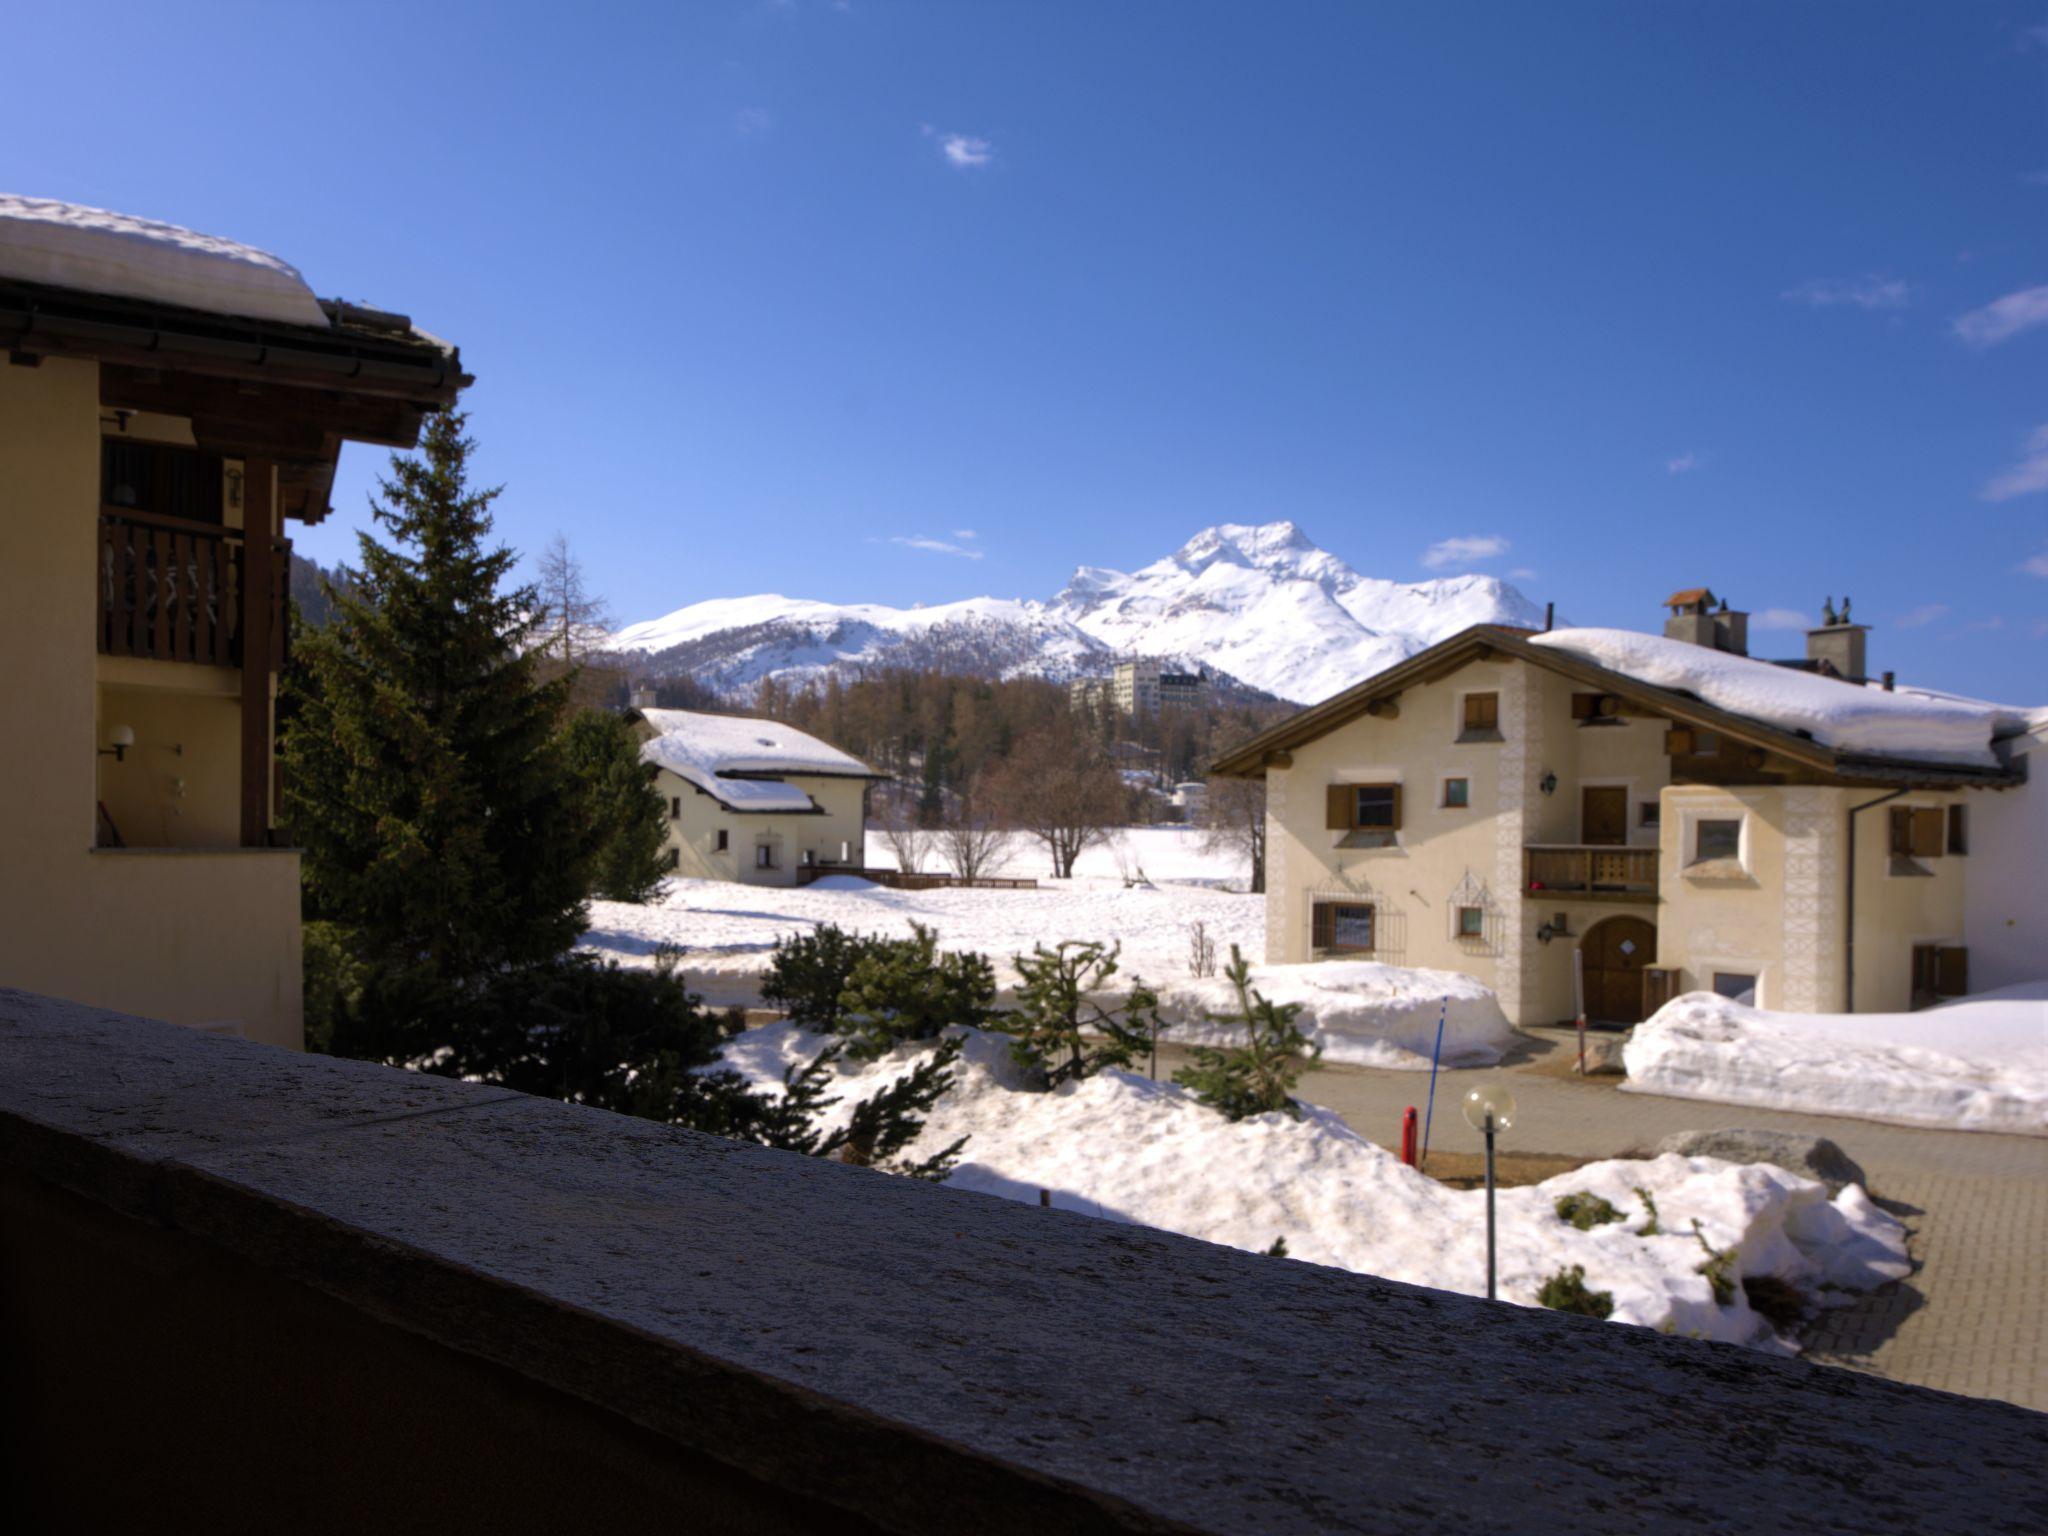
69	246
704	749
1915	725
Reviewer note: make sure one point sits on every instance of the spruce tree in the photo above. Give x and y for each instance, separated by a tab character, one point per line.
1258	1076
1065	1023
627	817
904	989
425	780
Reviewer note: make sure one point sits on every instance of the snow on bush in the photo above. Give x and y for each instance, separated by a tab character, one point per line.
1124	1148
1358	1011
1977	1064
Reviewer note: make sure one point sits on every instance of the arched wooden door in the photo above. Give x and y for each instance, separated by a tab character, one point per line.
1616	950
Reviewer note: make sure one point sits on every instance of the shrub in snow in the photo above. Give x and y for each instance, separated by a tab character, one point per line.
879	1127
1065	1023
1257	1077
1586	1211
810	971
904	989
1566	1291
1278	1250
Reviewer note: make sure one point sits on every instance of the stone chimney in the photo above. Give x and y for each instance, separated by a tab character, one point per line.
1836	648
1697	621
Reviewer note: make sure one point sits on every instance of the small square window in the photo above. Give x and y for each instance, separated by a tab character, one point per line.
1716	839
1342	927
722	840
675	807
1736	987
1481	717
1457	794
1650	813
1375	807
1471	922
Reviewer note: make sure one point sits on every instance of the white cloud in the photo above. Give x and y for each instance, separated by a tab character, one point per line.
1780	618
1994	622
749	121
1684	464
932	546
2003	319
965	533
1872	292
2025	477
1521	573
2034	178
963	151
1467	550
2038	566
1921	617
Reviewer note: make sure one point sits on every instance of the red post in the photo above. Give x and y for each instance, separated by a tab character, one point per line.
1408	1136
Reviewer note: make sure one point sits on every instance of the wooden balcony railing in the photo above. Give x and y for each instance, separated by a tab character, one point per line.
171	590
1602	873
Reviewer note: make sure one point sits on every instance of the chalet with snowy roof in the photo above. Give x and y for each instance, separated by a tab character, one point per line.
755	800
169	403
1658	813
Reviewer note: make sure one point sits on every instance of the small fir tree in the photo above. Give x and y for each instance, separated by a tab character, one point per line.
904	989
809	972
627	817
424	779
1258	1076
1065	1025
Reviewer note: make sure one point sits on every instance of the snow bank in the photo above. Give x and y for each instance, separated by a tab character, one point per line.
68	246
1360	1012
729	930
1977	1064
1911	725
704	749
1127	1149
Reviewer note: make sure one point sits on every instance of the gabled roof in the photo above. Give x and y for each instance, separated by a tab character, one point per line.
1487	642
1689	595
742	762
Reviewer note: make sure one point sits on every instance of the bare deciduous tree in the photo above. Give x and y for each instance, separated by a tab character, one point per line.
973	842
911	843
1234	822
1058	787
577	618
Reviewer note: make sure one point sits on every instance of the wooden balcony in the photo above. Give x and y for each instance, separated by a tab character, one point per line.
1589	872
172	590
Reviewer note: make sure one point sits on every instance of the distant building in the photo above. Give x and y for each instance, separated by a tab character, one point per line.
1138	688
752	800
1191	797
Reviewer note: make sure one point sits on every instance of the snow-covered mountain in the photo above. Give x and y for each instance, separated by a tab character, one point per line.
1260	603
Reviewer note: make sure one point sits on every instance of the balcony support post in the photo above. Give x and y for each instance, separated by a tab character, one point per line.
259	519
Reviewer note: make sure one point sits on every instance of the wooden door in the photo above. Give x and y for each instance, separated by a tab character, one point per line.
1616	951
1603	815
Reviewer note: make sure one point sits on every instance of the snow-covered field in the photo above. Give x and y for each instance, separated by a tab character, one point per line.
1124	1148
1977	1064
1163	855
1362	1014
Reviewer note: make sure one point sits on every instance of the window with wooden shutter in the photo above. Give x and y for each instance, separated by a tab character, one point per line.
1680	741
1951	971
1341	927
1930	832
1958	829
1340	808
1481	720
1902	832
1371	813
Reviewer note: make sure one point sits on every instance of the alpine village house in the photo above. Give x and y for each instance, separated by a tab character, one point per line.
169	403
754	801
1664	814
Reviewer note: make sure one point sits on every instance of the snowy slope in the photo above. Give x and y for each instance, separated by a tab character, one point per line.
1260	604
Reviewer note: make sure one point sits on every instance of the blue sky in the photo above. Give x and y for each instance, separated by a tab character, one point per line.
1629	297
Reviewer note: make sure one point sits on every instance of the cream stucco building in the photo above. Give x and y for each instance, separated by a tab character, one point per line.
1512	805
165	411
755	800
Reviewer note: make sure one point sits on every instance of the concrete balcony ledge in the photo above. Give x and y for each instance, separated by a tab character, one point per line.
251	1290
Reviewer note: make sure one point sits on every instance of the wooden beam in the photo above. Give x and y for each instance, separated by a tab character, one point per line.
285	421
1279	759
259	528
1384	709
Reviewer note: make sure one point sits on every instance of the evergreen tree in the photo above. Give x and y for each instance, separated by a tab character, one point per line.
627	817
1065	1024
904	989
424	778
1258	1076
809	973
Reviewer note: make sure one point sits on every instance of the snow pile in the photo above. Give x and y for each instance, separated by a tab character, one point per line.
1910	725
68	246
1121	1147
1977	1064
728	930
705	750
1359	1011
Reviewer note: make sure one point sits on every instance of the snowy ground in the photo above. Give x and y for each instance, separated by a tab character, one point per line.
1127	1149
1165	855
1979	1063
1361	1013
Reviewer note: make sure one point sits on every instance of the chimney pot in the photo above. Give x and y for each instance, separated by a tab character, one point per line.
1889	678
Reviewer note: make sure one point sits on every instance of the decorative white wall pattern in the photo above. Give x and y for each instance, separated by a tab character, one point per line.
1521	725
1276	866
1813	903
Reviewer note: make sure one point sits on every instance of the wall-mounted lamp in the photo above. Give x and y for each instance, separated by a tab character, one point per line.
1548	783
1559	927
119	740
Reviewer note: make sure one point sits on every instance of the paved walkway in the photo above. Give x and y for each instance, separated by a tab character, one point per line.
1973	1316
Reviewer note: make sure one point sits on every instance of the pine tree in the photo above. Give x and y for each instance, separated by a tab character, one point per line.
425	781
1064	1021
1258	1076
627	817
904	989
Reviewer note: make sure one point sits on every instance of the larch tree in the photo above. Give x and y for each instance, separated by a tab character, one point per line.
1058	787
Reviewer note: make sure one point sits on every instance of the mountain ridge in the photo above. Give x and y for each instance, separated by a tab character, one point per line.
1260	603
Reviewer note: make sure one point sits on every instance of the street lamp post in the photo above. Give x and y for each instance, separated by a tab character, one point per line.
1490	1108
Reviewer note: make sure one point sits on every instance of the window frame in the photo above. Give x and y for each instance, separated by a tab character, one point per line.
764	856
724	843
1698	830
1484	730
1715	978
1475	928
1464	800
1318	928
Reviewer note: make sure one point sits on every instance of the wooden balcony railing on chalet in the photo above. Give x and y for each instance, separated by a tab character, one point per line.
1600	873
171	590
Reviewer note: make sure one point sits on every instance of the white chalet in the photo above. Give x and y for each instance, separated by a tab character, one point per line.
754	800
